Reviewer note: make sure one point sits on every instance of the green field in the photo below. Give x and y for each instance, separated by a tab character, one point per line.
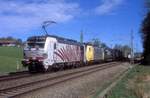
10	57
136	84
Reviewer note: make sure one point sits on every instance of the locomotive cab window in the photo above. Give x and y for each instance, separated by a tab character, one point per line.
34	42
34	45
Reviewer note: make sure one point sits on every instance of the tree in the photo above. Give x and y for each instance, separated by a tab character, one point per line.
125	49
19	42
96	42
146	36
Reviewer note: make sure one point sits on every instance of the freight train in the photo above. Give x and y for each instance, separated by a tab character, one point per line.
43	53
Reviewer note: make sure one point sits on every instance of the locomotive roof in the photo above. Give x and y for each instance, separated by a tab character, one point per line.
88	43
59	39
91	44
65	40
36	38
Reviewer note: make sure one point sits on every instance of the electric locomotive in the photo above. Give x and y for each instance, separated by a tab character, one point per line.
44	53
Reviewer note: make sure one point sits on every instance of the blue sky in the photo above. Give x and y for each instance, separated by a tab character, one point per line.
111	21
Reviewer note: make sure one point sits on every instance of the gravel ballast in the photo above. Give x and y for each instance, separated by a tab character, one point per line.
82	87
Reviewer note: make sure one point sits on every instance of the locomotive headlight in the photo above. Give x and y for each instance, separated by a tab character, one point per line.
45	55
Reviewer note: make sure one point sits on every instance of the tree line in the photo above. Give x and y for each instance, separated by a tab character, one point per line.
17	41
145	32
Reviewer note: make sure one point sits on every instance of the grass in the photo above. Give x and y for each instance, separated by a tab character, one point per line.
10	57
136	84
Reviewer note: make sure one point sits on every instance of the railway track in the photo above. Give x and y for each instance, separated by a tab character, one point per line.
17	90
14	75
17	75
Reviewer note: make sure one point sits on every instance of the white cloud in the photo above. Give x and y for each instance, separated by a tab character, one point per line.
108	6
24	15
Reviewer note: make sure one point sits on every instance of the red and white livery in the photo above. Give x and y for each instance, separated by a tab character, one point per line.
45	52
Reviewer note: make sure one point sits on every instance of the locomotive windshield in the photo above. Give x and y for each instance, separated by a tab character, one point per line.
35	45
36	42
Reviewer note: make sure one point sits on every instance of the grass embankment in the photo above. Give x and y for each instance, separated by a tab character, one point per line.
10	57
136	84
